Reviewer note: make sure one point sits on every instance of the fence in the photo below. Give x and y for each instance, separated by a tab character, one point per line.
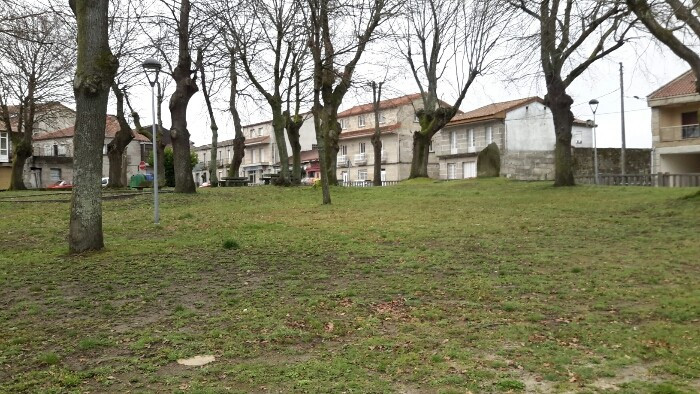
659	179
366	183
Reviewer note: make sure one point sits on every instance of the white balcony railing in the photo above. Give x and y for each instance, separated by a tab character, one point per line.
679	133
384	155
360	159
342	160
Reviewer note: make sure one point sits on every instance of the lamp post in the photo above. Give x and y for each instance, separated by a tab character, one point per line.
594	107
152	67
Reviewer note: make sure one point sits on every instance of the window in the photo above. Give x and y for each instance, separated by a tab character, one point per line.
451	171
260	132
415	118
4	147
62	151
260	154
489	135
453	141
361	121
430	147
54	152
345	177
382	118
690	128
343	124
470	138
252	156
104	149
469	169
228	154
252	133
343	149
47	150
55	174
362	175
362	147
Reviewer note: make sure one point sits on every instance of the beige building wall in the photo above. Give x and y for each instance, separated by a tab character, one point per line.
671	152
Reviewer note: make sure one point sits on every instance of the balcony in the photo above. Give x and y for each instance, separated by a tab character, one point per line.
679	133
342	160
360	159
384	155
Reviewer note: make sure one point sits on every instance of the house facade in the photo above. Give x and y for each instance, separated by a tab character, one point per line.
398	122
53	155
261	153
522	129
49	117
674	126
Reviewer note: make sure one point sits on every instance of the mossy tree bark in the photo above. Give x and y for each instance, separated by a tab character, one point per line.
96	68
185	88
117	147
213	178
239	138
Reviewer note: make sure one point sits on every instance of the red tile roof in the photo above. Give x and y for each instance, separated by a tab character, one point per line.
368	132
111	128
257	140
493	111
682	85
384	104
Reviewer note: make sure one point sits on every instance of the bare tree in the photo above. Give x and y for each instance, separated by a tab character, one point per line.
329	48
294	120
239	138
210	66
37	59
572	36
439	34
96	67
676	23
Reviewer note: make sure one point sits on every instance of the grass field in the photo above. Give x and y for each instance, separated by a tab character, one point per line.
482	286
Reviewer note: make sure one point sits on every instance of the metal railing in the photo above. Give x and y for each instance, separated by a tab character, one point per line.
360	159
659	180
342	160
679	133
366	183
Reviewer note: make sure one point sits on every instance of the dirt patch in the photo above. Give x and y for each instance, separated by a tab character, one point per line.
625	375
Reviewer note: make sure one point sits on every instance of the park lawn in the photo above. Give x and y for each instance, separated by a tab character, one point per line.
481	285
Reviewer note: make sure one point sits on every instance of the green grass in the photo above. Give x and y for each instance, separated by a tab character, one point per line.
482	285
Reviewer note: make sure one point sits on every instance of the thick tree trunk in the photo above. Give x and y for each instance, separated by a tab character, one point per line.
96	67
117	147
293	135
238	153
377	144
116	168
560	104
419	164
278	124
322	157
21	152
330	130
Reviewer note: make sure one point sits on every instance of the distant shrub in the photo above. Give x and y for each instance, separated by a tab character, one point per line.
231	244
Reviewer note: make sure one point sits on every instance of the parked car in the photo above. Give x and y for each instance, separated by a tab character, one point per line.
105	181
60	185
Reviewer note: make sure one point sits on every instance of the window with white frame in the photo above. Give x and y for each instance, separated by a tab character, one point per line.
430	147
55	174
55	149
362	147
453	140
260	132
489	135
62	150
343	149
382	118
362	175
4	147
252	156
451	171
343	123
361	121
470	138
260	155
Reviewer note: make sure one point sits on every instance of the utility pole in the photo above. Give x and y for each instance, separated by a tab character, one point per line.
623	160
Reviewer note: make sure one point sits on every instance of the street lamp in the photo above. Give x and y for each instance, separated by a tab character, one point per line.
152	68
594	107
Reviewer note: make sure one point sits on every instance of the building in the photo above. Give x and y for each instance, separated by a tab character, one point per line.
397	122
261	153
53	155
523	129
674	126
50	116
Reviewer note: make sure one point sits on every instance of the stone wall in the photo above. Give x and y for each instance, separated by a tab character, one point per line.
638	161
528	165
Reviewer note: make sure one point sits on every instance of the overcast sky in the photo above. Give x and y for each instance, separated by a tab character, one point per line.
647	66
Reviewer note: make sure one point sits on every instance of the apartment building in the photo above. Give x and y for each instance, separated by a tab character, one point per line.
522	129
261	153
398	122
674	126
49	117
52	159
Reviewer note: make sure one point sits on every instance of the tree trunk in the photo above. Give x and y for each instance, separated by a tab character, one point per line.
322	158
293	135
419	164
330	131
96	67
278	124
21	152
377	144
117	147
560	104
238	153
213	179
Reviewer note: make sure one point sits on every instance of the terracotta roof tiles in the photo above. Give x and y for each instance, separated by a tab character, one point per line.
111	128
682	85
